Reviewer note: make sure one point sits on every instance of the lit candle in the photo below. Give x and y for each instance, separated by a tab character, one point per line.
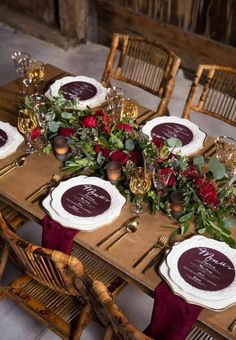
61	147
113	171
176	204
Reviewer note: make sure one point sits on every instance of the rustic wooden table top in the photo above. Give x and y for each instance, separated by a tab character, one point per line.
39	169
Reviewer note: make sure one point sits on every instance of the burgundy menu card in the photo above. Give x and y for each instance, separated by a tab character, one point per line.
206	269
86	200
78	89
3	138
170	130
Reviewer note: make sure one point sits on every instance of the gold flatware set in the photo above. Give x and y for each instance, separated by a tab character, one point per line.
16	164
130	228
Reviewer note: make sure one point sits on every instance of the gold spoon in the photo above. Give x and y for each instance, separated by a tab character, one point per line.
131	228
41	191
18	163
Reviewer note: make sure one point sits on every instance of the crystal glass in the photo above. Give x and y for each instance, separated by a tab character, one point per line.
27	122
226	153
115	96
21	61
129	109
36	73
140	184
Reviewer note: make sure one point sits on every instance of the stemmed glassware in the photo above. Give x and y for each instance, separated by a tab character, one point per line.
21	61
140	184
226	153
129	109
36	73
27	122
115	96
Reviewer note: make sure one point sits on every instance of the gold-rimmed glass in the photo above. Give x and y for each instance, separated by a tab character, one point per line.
21	61
114	98
36	73
226	153
27	122
129	109
140	184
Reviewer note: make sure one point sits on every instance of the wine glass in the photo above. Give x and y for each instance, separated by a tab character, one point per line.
226	153
115	96
27	122
36	73
140	184
21	61
129	109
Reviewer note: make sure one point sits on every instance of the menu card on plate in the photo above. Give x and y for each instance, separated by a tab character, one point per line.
86	200
170	130
78	89
3	138
206	269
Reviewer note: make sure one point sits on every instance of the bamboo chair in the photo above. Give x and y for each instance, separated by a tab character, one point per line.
148	65
57	290
218	96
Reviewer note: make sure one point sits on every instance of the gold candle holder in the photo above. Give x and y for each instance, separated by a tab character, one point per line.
113	170
61	148
177	204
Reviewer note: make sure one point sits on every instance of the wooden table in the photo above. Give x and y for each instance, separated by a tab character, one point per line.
39	169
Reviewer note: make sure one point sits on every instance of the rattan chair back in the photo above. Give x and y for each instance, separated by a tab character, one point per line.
217	98
148	65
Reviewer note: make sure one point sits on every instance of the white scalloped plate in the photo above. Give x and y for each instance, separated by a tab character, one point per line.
198	135
13	141
203	242
95	101
53	205
218	305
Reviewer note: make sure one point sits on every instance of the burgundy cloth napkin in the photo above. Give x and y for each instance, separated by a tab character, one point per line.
57	237
172	317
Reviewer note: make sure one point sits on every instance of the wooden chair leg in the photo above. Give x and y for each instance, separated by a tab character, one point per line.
108	333
81	322
4	258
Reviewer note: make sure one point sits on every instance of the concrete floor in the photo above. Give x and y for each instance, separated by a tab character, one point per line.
88	60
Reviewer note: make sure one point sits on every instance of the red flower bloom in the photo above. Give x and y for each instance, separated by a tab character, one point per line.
191	172
167	177
89	121
136	157
159	142
207	192
100	113
35	133
119	156
97	148
124	127
66	132
106	153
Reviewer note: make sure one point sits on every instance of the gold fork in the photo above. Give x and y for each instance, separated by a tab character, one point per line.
41	191
162	247
232	325
159	244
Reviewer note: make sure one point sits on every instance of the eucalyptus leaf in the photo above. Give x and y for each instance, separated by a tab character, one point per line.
116	142
100	159
217	168
66	115
54	126
198	160
129	145
174	142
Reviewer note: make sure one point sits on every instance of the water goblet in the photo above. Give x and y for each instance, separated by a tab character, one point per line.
27	122
129	109
36	73
226	153
21	61
140	184
115	96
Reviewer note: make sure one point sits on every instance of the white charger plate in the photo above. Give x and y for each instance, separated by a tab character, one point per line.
97	100
218	305
13	141
188	149
53	205
201	242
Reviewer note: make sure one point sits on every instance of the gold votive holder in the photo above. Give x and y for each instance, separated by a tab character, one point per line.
113	170
61	148
176	204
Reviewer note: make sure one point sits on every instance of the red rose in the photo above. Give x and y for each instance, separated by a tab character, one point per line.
35	133
67	132
106	153
100	113
89	121
124	127
159	142
167	177
119	156
97	148
136	157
